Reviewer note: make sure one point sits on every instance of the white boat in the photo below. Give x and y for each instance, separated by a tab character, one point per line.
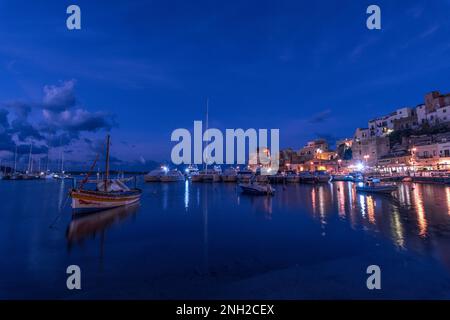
155	175
191	170
244	176
229	175
375	186
256	188
207	175
172	176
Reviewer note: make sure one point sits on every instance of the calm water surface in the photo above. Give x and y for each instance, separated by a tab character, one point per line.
189	240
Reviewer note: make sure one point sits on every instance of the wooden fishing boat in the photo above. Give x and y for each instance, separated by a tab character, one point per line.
109	193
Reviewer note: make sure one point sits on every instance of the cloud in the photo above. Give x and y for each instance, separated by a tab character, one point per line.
25	130
21	109
59	98
321	116
55	121
79	120
4	124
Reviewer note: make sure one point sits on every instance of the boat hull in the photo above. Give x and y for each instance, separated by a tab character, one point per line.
83	200
152	178
253	189
171	179
378	189
229	178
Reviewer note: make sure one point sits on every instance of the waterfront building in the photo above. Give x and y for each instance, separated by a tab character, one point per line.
367	150
312	149
383	126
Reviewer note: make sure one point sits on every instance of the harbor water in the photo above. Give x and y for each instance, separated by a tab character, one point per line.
194	240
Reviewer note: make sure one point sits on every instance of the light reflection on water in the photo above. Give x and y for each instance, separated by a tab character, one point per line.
215	230
428	206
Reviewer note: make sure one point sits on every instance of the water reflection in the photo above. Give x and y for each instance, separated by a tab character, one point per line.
420	211
409	218
87	226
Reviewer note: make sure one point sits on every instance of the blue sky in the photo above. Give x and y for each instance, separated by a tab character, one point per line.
144	68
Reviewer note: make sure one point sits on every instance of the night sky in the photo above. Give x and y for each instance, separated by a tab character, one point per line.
141	69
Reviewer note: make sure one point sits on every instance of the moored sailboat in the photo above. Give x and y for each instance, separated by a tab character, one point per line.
110	193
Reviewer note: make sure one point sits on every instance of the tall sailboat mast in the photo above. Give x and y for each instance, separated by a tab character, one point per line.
30	161
107	163
207	107
15	159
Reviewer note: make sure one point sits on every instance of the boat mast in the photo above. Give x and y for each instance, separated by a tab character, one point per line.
207	106
48	158
15	159
30	160
107	163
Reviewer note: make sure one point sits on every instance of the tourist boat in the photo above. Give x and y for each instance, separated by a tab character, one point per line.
292	177
256	188
244	176
172	176
229	175
196	177
207	175
375	186
191	170
110	193
156	174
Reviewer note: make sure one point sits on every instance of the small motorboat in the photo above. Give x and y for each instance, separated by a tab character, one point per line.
342	177
375	186
256	188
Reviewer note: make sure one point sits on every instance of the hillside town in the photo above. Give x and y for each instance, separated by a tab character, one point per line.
405	141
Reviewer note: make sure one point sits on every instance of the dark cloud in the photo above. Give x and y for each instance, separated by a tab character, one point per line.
59	98
79	120
4	124
57	122
25	131
58	140
20	108
321	116
6	142
24	149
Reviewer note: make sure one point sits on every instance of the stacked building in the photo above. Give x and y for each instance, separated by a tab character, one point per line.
408	139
